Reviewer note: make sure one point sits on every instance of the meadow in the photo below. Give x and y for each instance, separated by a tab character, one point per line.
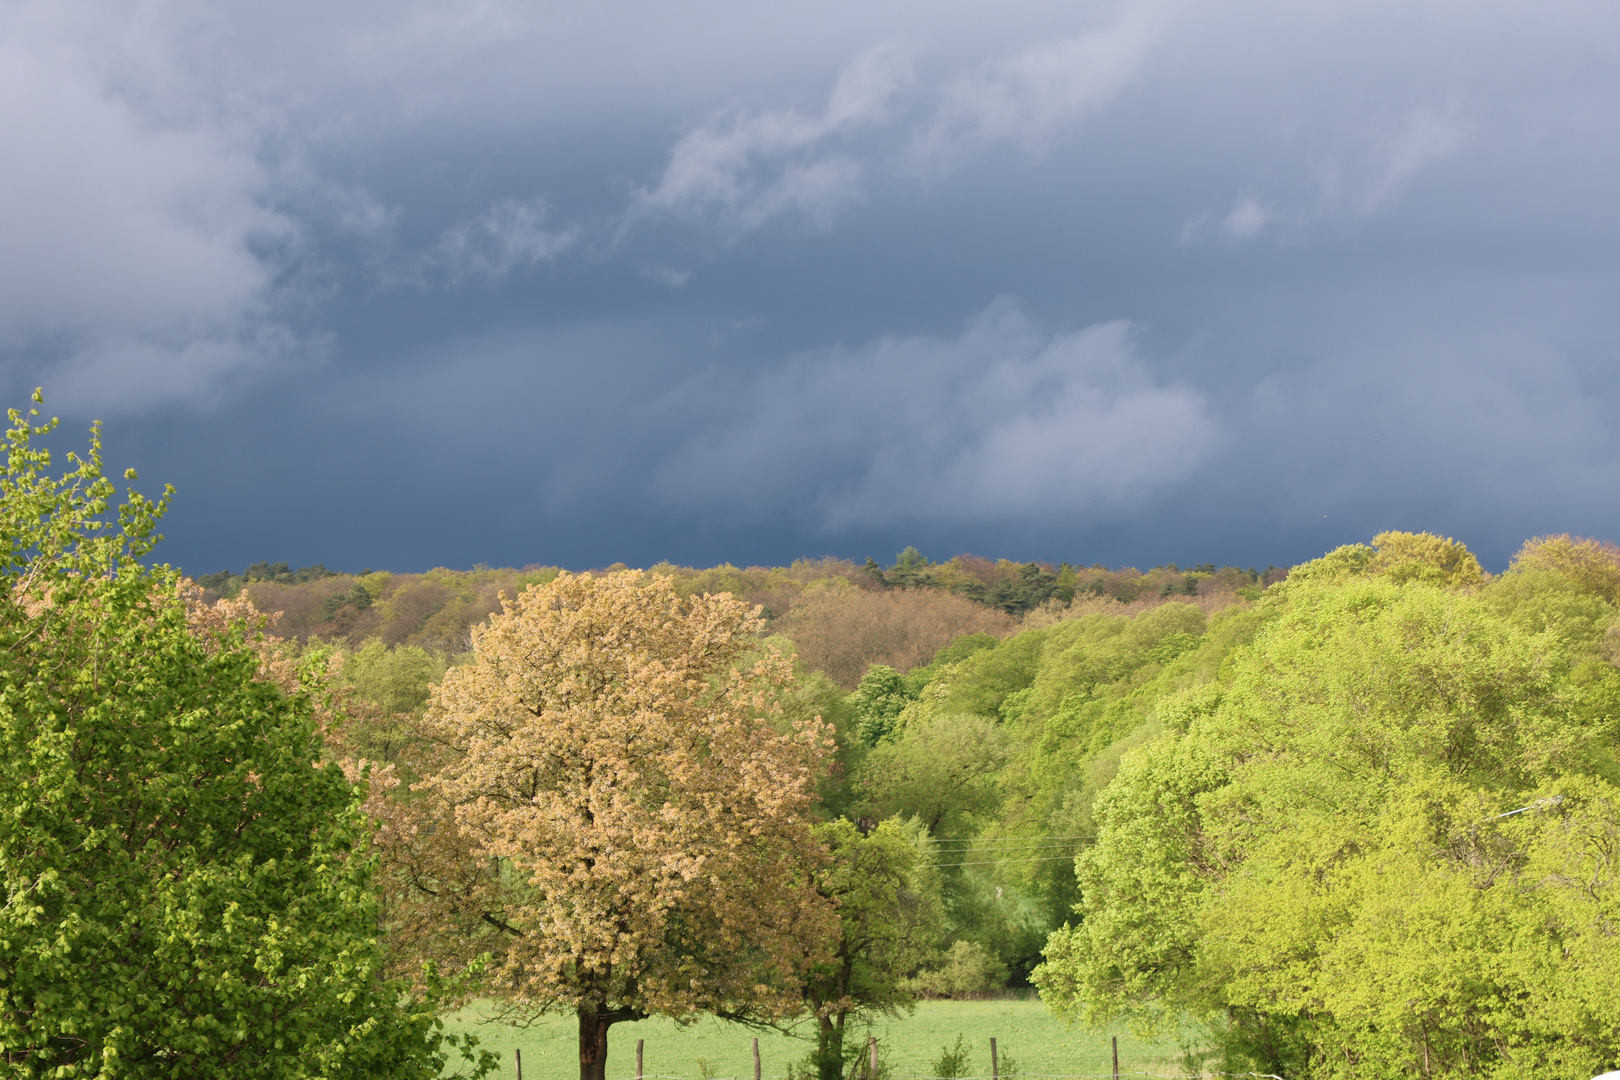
1029	1038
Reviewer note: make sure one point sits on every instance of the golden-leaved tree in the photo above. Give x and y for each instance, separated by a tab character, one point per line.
622	812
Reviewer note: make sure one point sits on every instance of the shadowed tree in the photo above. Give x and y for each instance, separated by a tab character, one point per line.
889	924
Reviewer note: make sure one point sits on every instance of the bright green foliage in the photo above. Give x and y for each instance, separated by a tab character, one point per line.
942	771
1591	565
957	651
967	968
1384	842
878	701
1065	701
813	694
1090	663
982	682
187	889
887	899
397	682
1442	561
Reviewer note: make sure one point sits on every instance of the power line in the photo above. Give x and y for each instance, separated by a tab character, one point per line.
1009	839
1005	847
989	862
1007	852
980	846
1010	849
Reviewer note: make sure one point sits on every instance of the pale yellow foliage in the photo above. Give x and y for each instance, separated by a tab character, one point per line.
1594	565
619	809
1407	556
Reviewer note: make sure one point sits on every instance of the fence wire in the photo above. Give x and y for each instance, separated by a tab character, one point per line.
1000	1076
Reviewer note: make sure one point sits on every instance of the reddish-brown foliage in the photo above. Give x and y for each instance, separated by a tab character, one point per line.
843	631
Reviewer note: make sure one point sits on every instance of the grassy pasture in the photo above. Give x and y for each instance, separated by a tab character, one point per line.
1036	1042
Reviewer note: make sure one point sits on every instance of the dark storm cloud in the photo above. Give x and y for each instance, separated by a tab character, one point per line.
723	281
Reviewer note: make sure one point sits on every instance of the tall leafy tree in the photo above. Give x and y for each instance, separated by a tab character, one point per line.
889	922
625	816
878	702
188	889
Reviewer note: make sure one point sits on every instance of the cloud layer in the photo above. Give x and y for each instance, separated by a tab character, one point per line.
697	280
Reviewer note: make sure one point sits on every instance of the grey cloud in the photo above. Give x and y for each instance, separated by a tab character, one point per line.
1033	95
1003	422
430	34
1491	425
508	236
1246	218
1368	177
201	198
1398	155
128	244
107	219
130	375
747	168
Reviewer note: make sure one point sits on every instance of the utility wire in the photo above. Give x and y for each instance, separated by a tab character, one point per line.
1009	839
993	846
1005	1076
1008	852
989	862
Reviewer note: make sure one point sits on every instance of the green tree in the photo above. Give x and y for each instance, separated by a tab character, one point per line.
967	968
887	899
877	702
397	681
1382	844
910	570
941	771
188	888
1023	587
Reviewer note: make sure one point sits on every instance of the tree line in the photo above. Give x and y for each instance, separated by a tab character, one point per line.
842	617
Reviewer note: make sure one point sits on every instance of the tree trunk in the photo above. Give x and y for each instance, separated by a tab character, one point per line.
830	1049
593	1038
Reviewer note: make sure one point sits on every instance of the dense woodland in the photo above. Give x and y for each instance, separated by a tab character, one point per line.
1357	819
1270	779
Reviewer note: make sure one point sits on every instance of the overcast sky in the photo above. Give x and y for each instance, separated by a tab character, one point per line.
402	284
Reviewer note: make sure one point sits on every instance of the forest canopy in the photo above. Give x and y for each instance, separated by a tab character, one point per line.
1360	817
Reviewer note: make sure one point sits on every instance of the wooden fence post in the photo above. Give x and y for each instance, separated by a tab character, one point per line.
519	1055
639	1044
756	1059
995	1064
1116	1057
871	1057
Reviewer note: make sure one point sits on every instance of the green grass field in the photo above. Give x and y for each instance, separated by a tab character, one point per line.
1036	1042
